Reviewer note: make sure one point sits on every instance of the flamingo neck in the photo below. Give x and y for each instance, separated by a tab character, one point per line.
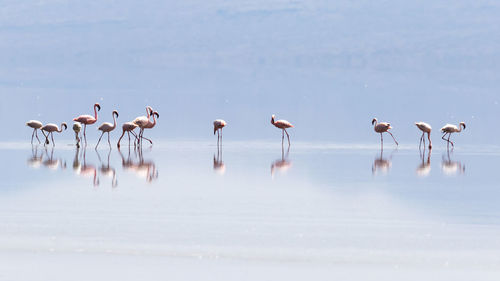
154	120
272	120
114	121
95	112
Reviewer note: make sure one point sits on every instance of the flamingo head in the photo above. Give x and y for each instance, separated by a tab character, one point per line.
156	113
64	125
374	121
98	106
115	113
272	118
149	109
462	124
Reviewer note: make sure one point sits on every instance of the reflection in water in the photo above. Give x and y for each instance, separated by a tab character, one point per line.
142	168
382	165
107	170
424	169
282	164
219	166
35	161
450	167
88	170
52	163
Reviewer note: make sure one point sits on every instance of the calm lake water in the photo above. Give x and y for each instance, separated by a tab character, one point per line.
186	210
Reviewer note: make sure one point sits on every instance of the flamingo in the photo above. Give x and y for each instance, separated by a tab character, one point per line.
151	125
283	125
142	121
35	124
128	128
425	128
77	128
50	129
381	128
448	129
88	120
107	128
218	125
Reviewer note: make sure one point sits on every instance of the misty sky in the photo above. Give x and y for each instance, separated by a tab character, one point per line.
326	66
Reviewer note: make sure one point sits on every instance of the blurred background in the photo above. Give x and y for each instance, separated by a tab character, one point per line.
328	67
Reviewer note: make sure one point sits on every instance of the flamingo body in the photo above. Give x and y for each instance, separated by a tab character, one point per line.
382	127
283	125
425	128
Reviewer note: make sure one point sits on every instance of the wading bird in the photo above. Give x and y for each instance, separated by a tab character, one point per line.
77	128
218	125
128	128
283	125
88	120
50	129
381	128
107	128
448	129
150	125
425	128
35	124
142	121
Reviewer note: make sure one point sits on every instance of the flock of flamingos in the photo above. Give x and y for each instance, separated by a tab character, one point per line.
144	122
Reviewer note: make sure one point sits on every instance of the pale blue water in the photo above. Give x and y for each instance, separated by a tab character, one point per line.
319	210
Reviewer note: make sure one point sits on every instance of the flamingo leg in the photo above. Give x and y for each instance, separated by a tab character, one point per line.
381	140
421	139
393	138
109	141
430	142
282	136
150	141
36	135
123	133
447	140
52	137
449	136
288	137
32	135
99	140
84	133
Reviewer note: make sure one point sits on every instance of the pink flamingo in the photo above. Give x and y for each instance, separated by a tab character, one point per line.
142	121
151	125
382	127
128	128
107	127
88	120
35	124
283	125
218	125
50	129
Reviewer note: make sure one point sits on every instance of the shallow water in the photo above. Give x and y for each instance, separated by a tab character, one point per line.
184	211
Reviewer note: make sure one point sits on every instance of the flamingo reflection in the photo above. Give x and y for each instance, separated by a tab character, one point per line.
424	169
35	161
52	163
88	170
142	168
283	164
107	170
219	166
382	165
450	167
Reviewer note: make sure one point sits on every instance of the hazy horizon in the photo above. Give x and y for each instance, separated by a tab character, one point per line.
328	68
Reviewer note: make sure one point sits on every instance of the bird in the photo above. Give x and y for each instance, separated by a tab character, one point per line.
448	129
88	120
127	127
283	125
425	128
381	128
151	125
107	128
35	124
50	129
218	125
142	121
77	128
